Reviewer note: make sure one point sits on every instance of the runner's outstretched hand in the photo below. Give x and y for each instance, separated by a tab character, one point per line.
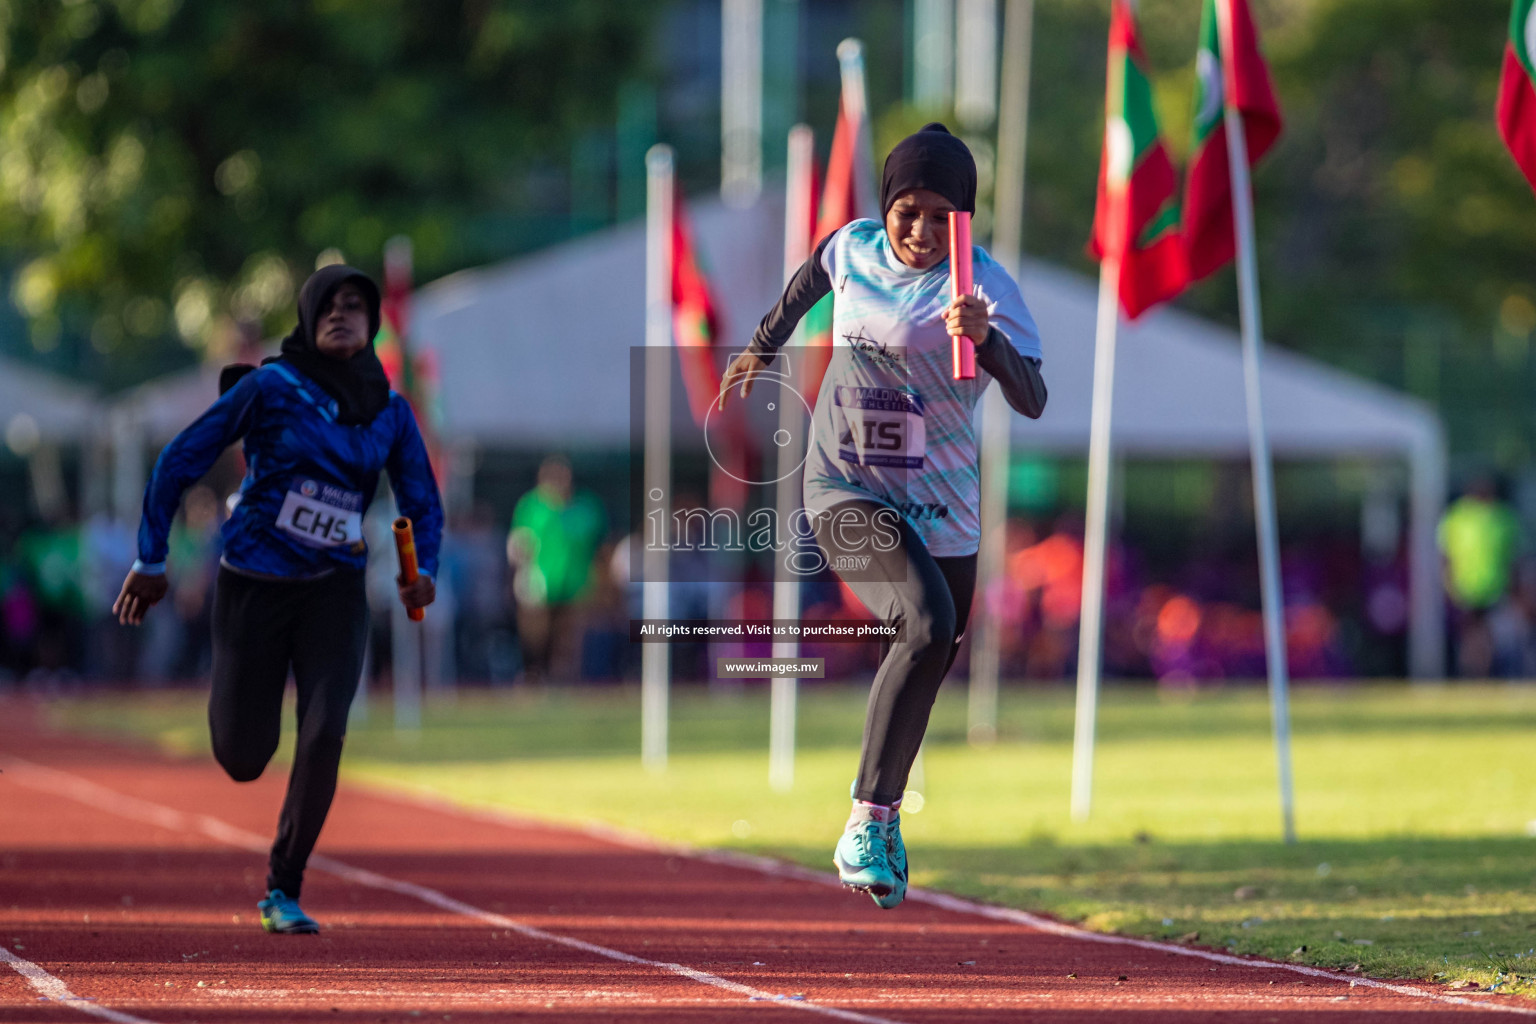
744	369
138	593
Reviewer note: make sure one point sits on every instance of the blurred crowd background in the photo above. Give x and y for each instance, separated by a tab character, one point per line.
172	170
540	592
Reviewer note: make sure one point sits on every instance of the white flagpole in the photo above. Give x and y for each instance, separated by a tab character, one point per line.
1007	249
1096	539
850	59
786	585
655	658
1258	439
741	101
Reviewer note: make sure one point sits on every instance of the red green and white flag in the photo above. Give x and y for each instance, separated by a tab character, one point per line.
1243	83
696	331
848	194
412	371
1517	94
1136	220
394	309
695	317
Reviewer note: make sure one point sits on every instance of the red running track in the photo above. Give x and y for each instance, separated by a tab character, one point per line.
128	883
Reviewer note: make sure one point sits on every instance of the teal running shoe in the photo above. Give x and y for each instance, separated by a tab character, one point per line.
280	914
896	858
863	858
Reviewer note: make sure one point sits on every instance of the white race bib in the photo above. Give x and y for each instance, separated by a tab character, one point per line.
322	516
880	427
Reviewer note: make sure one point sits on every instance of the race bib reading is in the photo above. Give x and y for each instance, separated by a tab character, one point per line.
880	427
322	516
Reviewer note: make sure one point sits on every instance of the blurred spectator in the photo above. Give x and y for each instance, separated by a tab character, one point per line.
1512	627
606	652
179	646
551	547
1479	536
19	623
475	573
50	556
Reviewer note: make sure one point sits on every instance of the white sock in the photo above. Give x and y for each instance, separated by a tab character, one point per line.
864	811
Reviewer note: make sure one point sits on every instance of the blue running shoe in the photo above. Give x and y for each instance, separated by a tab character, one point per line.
896	858
863	859
280	913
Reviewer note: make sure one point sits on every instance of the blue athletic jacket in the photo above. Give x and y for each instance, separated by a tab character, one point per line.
308	480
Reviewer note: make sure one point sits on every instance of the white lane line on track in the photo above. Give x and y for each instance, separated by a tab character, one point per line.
102	798
1045	924
54	990
955	904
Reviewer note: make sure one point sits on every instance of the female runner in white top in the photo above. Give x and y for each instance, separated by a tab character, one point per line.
891	475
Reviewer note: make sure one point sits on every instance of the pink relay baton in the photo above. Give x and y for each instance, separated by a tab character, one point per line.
960	284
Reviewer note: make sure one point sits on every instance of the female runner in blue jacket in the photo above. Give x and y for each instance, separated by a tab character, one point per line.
319	423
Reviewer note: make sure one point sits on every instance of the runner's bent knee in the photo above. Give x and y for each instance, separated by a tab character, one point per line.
242	761
928	622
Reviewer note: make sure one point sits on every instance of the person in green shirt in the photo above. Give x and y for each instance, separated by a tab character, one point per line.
551	546
1480	538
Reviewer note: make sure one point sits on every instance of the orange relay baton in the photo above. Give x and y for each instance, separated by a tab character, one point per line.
963	348
405	547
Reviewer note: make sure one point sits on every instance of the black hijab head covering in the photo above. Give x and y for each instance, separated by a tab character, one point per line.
933	159
358	382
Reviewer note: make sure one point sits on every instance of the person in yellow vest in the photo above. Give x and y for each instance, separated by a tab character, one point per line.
1480	538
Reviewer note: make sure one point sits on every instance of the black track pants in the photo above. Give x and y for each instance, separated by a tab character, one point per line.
931	598
261	628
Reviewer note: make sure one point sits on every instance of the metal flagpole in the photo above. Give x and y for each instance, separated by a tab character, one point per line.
975	63
850	59
1258	439
1095	541
1007	248
741	101
655	658
933	77
790	442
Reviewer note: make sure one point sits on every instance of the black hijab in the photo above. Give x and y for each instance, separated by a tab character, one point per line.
358	383
933	159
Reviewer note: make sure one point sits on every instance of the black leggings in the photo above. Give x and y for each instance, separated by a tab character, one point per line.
931	599
261	628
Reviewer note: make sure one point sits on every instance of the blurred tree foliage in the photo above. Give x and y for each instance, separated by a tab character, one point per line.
166	165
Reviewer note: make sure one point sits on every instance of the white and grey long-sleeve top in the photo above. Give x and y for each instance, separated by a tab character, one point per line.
891	423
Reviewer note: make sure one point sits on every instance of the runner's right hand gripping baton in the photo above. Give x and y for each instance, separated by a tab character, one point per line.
960	284
405	547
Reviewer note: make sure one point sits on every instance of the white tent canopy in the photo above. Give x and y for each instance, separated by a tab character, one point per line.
1181	387
536	352
60	410
1180	392
161	408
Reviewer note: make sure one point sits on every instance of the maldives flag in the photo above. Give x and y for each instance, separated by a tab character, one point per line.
411	372
1517	98
1208	233
695	317
848	192
394	309
1136	220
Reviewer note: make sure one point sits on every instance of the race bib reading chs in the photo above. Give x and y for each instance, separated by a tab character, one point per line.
322	516
880	427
